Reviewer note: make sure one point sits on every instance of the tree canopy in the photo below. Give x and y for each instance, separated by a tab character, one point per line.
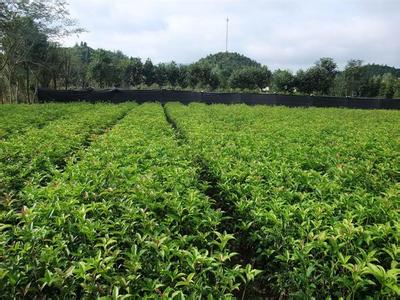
28	30
30	57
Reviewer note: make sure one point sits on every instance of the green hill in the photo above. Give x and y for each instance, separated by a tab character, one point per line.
374	69
226	62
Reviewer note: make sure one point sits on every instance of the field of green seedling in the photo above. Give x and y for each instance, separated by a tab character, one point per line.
200	201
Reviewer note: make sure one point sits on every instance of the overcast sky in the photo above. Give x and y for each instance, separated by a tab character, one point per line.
289	34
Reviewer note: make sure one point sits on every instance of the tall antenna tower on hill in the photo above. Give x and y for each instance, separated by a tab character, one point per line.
226	39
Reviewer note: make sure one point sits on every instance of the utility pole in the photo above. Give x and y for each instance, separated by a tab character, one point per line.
226	41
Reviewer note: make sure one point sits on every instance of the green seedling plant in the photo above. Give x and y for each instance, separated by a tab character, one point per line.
126	218
198	201
31	158
314	193
15	119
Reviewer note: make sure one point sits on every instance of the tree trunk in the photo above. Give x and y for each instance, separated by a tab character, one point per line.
10	91
27	84
35	96
54	82
17	92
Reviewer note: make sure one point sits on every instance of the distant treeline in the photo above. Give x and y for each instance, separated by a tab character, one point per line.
29	58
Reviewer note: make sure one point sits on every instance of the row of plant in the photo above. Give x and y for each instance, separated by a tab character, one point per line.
40	152
313	194
125	220
15	119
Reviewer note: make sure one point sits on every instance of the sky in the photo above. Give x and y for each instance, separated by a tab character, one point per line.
286	34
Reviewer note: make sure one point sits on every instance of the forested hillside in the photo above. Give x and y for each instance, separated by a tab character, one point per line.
225	63
31	57
374	70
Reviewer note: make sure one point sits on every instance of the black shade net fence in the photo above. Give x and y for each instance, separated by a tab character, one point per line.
185	97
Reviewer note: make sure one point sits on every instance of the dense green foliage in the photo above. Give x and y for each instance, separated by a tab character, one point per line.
30	57
375	70
225	63
38	153
28	54
251	78
284	81
15	119
358	80
199	201
318	79
126	218
313	194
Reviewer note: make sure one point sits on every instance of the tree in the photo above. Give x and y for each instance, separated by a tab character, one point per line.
353	76
132	71
370	86
327	71
84	55
17	39
283	81
173	73
339	85
358	81
148	72
52	66
26	27
305	81
250	78
318	79
183	76
201	75
389	85
70	67
225	63
102	71
160	74
397	89
371	70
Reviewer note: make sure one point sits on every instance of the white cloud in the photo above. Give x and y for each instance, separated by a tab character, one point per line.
286	34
